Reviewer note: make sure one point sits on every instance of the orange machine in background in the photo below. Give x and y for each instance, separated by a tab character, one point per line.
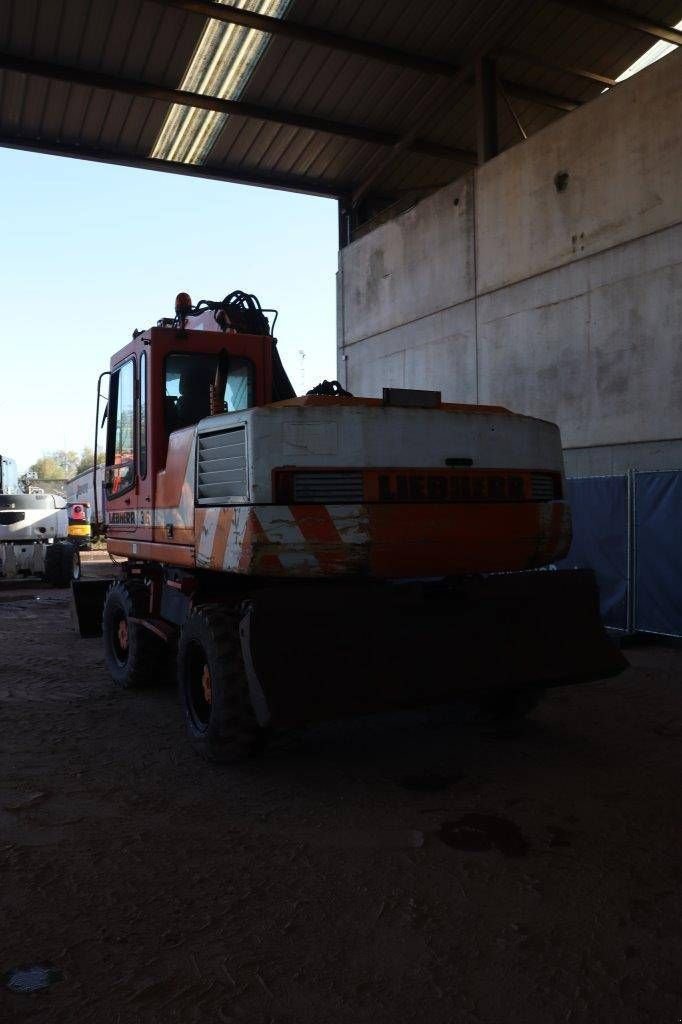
80	528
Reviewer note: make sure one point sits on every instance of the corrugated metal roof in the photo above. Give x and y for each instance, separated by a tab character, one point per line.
153	42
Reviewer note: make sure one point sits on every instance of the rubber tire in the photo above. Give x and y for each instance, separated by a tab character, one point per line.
146	659
59	564
231	733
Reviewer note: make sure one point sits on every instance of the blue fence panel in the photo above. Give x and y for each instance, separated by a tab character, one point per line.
599	507
658	553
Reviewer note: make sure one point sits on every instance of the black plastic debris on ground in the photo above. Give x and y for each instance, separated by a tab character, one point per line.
480	832
31	977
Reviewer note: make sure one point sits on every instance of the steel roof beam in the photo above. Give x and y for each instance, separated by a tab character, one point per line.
432	102
236	108
337	41
622	16
515	89
318	36
533	95
564	69
540	96
235	175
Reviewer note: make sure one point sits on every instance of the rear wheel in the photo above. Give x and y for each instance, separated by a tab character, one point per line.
62	564
134	656
214	693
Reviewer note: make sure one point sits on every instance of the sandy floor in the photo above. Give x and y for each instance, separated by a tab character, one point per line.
327	881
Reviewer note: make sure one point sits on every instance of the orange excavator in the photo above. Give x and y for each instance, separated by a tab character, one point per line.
292	559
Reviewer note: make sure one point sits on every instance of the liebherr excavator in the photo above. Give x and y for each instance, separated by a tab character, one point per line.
293	559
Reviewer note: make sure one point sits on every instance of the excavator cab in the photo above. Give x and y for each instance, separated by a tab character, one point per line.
211	358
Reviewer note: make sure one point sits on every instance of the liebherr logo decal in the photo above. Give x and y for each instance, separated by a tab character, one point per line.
122	518
448	487
132	517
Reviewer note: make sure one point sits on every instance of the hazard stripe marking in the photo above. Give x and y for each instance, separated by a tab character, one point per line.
316	524
279	525
222	533
351	523
206	537
233	548
251	532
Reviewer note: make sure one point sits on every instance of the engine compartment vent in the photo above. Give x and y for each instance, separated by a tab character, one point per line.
543	487
329	488
318	487
221	466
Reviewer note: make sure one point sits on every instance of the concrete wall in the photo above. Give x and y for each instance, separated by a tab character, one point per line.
564	304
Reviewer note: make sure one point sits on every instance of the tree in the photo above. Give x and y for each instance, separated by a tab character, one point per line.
48	468
62	465
52	470
67	460
53	467
87	459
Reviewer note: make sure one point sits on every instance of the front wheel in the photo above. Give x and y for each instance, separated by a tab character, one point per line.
134	656
214	693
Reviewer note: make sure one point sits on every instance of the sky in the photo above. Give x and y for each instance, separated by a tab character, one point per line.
88	252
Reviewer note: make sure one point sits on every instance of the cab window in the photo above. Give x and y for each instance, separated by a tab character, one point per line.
239	388
142	415
120	474
188	381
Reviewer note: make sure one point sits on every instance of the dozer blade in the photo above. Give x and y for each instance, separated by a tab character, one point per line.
87	605
317	651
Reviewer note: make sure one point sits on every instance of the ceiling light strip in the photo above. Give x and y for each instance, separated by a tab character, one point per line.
222	65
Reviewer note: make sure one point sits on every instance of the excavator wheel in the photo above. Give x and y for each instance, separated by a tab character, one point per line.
62	564
134	656
214	694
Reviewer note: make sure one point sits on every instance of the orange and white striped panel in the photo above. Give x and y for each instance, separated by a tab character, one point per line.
212	531
301	540
382	540
281	528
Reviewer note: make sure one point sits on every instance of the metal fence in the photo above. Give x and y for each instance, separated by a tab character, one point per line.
628	529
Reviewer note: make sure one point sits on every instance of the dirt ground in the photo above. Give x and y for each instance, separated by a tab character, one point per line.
337	879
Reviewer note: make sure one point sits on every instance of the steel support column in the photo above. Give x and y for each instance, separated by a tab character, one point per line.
486	109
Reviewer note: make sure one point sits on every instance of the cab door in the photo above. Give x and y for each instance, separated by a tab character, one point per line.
120	475
144	486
